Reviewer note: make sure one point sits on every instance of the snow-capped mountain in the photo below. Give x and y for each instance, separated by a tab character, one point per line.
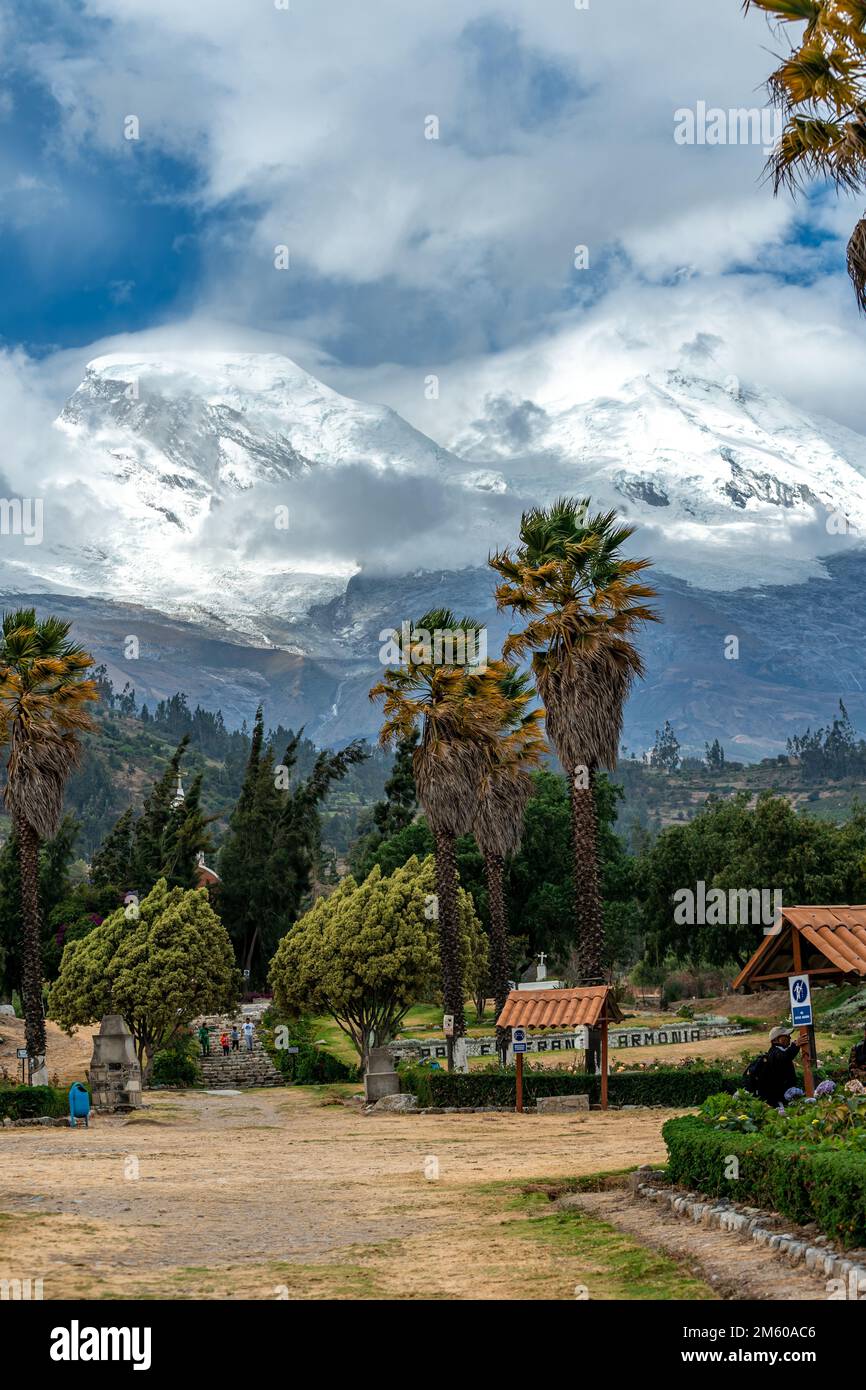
735	485
163	516
187	457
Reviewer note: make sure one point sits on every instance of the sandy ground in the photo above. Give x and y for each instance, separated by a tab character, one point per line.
68	1057
273	1194
297	1194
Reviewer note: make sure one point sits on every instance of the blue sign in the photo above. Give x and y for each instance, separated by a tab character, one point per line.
801	1000
518	1039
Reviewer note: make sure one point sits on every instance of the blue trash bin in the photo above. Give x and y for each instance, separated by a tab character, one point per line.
79	1104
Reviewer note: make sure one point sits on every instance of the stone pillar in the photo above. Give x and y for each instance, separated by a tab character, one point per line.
380	1078
115	1075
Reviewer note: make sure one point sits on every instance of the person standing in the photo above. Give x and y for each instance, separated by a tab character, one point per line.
236	1038
224	1043
777	1075
249	1032
857	1060
204	1040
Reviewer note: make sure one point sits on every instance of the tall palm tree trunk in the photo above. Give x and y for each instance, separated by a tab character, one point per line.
587	893
449	943
494	869
589	916
31	939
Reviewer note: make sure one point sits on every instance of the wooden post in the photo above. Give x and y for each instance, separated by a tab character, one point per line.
604	1059
808	1051
519	1063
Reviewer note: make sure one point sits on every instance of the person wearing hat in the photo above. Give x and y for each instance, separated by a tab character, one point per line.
857	1060
777	1075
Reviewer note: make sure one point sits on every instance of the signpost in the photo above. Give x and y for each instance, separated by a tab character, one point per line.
518	1044
801	1001
800	992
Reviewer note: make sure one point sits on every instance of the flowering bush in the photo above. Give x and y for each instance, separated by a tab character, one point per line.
741	1113
837	1121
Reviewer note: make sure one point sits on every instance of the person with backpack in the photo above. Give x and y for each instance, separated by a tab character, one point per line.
857	1060
772	1074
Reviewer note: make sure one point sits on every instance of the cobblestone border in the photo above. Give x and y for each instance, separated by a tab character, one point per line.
763	1227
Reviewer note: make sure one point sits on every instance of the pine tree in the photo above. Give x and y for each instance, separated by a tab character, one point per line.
186	837
395	813
149	840
112	862
245	903
268	860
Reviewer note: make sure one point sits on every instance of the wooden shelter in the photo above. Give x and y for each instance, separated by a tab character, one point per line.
590	1006
826	943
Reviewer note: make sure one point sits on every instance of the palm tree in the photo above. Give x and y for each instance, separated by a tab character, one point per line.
457	710
43	694
497	821
821	88
569	578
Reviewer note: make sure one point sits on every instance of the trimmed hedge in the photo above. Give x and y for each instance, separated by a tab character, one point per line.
467	1090
31	1102
803	1182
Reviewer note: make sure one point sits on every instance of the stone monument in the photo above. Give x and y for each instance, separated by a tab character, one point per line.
380	1078
115	1075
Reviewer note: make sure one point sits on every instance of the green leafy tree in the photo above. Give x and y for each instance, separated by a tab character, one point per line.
369	951
732	845
159	967
665	752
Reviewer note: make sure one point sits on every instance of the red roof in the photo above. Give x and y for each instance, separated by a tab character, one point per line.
837	931
558	1008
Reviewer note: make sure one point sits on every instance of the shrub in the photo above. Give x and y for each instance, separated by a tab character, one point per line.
496	1087
804	1182
174	1067
31	1102
310	1065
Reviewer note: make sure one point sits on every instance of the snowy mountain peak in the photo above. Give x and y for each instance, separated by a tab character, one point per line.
729	483
230	419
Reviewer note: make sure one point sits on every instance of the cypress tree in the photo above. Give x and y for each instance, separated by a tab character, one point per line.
112	862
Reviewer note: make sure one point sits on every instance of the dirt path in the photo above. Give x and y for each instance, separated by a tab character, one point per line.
738	1269
288	1195
275	1194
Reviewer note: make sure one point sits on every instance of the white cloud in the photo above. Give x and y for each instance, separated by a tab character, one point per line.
556	130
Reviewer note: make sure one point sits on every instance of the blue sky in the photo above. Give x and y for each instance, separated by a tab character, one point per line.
306	127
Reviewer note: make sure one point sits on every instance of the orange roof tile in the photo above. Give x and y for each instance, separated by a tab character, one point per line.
558	1008
837	931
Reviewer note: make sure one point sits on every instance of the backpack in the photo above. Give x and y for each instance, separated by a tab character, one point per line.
752	1074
